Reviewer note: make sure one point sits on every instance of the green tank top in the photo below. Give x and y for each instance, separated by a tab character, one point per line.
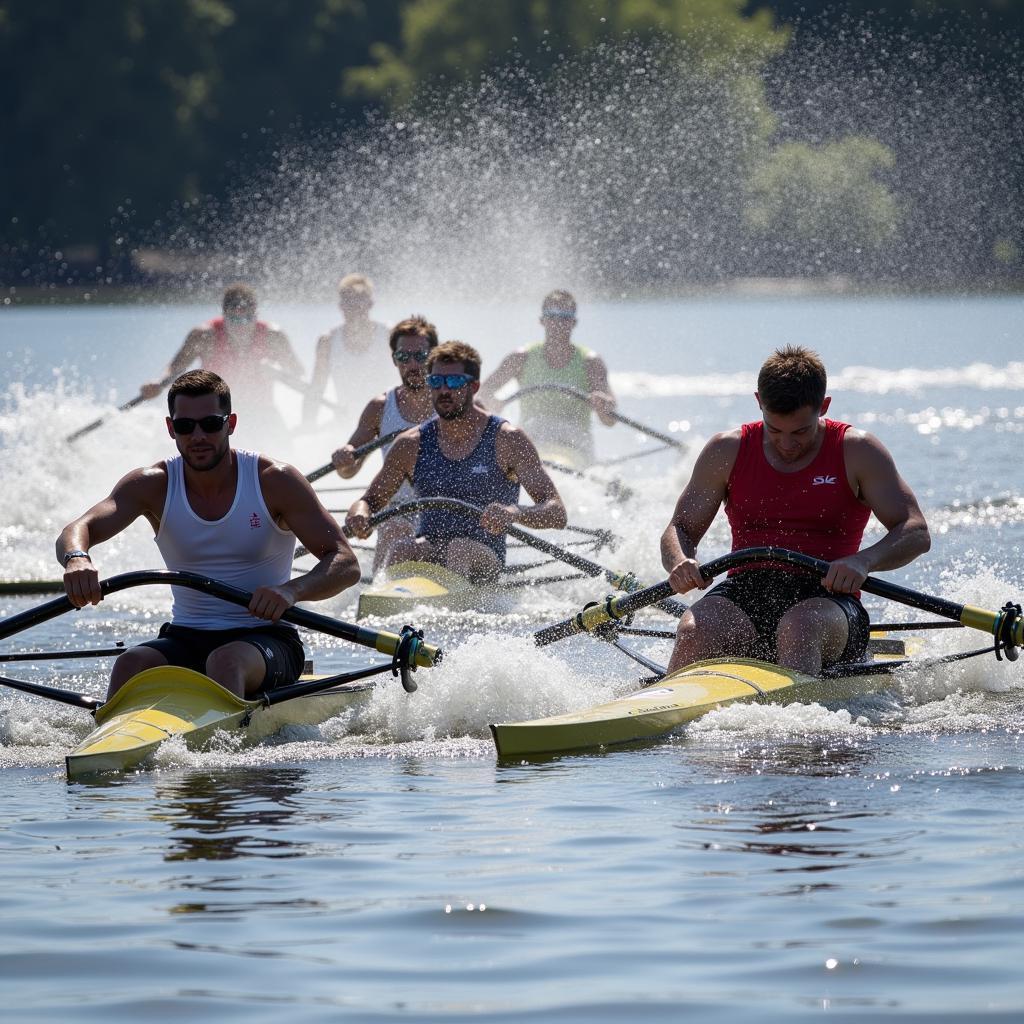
548	416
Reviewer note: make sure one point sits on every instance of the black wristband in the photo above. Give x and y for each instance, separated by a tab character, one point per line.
75	554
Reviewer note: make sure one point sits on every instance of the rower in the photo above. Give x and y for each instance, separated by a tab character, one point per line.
551	418
401	408
355	353
231	515
240	347
464	453
795	480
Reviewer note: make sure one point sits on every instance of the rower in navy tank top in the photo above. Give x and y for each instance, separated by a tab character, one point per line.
476	479
468	455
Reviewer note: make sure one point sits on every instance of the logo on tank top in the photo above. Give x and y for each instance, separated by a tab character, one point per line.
254	521
479	468
823	480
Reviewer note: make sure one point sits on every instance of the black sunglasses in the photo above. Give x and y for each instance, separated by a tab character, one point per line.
208	424
404	357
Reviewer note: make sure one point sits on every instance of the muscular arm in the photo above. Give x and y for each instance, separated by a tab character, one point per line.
518	457
877	482
695	511
510	368
191	351
283	354
601	398
398	466
367	429
295	507
140	493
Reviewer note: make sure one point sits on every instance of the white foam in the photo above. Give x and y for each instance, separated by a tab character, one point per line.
780	721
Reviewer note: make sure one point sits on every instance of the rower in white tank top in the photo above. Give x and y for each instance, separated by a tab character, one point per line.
245	548
391	419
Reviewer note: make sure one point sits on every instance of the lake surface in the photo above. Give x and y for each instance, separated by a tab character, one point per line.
764	864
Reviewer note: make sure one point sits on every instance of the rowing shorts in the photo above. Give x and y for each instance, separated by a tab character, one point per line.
279	644
765	595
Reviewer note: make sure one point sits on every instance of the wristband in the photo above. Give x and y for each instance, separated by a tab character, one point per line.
75	554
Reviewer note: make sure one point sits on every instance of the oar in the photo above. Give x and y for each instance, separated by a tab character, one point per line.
360	453
89	427
624	581
1006	625
564	389
407	649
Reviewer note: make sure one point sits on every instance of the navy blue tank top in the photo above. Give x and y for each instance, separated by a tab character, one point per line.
477	479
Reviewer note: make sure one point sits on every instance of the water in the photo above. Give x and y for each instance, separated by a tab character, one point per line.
764	864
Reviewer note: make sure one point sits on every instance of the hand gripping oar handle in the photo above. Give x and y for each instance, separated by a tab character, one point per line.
625	581
360	453
422	654
564	389
1006	625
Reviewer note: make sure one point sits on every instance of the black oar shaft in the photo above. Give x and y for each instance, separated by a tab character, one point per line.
359	453
386	643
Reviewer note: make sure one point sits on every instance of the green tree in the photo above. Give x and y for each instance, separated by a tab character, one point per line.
827	204
456	40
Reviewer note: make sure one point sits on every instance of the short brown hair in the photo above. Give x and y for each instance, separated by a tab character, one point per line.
195	384
792	378
559	297
414	326
456	352
239	296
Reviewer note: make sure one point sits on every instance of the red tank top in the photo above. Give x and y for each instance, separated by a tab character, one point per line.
812	510
226	360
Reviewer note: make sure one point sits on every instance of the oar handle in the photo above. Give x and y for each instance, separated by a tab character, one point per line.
360	453
426	655
1006	625
565	389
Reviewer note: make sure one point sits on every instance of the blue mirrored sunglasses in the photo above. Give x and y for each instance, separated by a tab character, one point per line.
452	381
404	357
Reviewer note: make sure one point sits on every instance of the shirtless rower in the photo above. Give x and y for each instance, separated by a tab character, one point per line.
401	408
551	418
233	516
795	480
467	454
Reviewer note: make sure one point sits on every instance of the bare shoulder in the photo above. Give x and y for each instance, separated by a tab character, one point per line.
145	486
514	439
407	444
280	477
864	453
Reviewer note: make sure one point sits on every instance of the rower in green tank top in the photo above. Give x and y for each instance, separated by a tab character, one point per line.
558	423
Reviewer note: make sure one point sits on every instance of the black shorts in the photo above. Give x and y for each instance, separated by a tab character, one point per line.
280	646
765	595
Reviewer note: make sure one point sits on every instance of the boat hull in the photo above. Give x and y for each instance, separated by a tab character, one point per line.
409	585
675	700
168	701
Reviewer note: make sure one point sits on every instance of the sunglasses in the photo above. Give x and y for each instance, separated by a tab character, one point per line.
207	424
557	314
404	357
452	381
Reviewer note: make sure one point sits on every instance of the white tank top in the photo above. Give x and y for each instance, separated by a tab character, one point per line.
391	419
245	548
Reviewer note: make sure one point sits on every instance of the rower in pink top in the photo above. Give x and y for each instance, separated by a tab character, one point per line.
797	480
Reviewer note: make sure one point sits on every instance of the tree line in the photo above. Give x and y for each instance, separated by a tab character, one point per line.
787	141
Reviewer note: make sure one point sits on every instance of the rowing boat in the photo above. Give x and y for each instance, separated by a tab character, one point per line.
425	585
165	702
672	700
679	698
410	585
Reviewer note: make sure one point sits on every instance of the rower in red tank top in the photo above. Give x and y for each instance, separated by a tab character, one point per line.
248	353
800	481
813	509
